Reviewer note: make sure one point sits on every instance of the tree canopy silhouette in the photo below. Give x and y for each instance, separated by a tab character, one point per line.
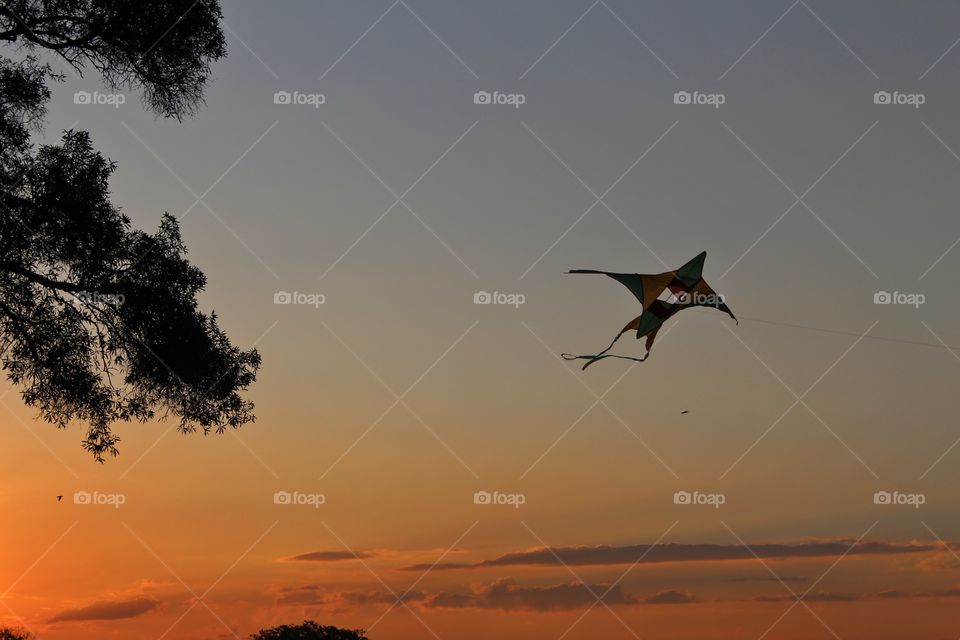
99	321
162	48
309	630
7	633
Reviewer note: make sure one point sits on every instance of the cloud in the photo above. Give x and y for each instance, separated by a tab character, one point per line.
504	595
146	585
810	597
894	594
305	595
507	595
379	597
108	610
890	594
312	594
330	556
786	579
446	600
939	562
670	597
608	555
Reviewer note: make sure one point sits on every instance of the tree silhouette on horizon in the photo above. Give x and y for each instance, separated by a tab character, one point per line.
99	321
309	630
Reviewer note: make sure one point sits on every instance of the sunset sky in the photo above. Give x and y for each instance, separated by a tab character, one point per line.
398	398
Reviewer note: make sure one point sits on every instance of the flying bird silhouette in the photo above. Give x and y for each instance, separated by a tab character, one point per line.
687	288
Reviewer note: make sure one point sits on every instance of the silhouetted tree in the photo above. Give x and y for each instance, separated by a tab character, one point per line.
309	630
15	634
162	48
99	321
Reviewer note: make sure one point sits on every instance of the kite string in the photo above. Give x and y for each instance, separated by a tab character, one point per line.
778	323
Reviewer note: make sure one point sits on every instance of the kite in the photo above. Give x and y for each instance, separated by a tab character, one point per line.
687	289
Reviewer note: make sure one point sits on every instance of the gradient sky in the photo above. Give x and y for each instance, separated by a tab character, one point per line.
399	398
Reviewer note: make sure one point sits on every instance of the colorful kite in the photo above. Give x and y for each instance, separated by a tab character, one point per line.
687	289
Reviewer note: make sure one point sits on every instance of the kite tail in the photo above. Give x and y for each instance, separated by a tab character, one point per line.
600	356
595	358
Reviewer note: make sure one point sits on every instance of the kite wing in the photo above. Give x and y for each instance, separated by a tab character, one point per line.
703	295
691	272
686	283
645	287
